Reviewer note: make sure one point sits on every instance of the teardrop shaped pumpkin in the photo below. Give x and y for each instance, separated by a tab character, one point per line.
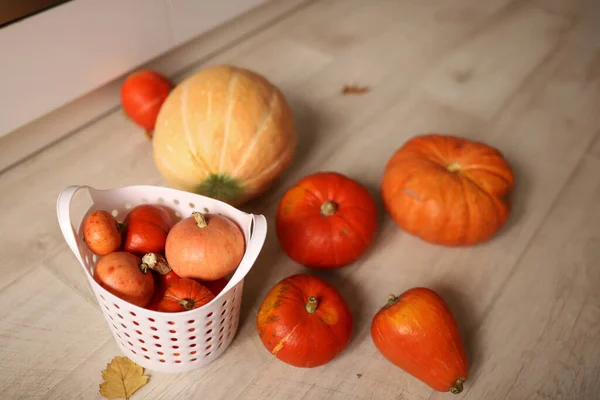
448	190
224	132
418	333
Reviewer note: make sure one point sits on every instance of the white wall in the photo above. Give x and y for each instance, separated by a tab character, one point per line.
54	57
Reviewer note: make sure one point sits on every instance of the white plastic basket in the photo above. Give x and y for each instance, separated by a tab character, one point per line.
166	342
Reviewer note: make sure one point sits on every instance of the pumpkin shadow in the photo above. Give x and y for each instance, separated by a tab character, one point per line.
464	315
258	281
383	219
520	194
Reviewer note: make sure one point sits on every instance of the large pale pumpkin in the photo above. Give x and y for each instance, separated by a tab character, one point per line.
448	190
226	133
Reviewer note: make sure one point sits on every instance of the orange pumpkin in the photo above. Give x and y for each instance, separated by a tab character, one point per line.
205	246
184	295
142	95
304	321
448	190
224	132
418	333
326	220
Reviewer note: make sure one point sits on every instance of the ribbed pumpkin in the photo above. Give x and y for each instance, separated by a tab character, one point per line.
224	132
448	190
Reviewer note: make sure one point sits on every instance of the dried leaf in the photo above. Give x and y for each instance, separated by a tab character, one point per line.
122	377
355	89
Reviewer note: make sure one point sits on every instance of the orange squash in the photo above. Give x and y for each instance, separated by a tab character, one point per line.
184	295
205	246
326	220
418	333
448	190
304	321
224	132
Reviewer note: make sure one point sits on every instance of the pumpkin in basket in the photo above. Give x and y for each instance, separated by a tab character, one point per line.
226	133
448	190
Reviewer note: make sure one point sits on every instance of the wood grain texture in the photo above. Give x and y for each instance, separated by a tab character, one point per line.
521	76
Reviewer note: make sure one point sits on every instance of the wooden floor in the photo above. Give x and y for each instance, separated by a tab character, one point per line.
523	76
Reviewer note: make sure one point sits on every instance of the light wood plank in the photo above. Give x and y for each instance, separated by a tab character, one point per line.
595	148
544	118
47	332
542	332
474	273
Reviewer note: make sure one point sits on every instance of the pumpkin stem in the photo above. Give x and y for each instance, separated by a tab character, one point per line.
454	167
200	219
156	262
312	304
329	208
457	387
392	299
188	304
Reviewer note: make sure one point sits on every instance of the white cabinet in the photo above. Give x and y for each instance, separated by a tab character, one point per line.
54	57
188	18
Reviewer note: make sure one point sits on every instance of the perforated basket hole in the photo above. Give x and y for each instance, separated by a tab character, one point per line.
115	213
206	210
192	205
145	200
161	200
176	202
128	206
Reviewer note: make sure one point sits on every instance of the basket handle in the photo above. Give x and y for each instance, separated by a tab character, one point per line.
259	234
63	206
